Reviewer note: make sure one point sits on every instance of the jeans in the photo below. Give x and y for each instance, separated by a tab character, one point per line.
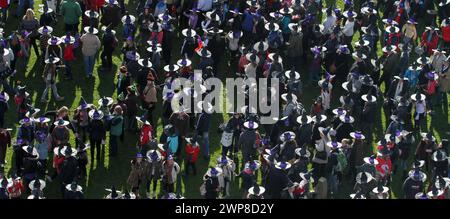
113	146
49	85
4	14
21	6
89	62
332	183
205	136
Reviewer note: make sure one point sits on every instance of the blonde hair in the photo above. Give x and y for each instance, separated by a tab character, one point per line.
29	15
62	110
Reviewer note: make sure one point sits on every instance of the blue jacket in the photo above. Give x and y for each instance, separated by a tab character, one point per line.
42	149
247	23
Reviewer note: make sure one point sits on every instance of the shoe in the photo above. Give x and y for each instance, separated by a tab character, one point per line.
148	195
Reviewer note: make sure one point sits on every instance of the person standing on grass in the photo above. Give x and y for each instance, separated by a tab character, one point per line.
154	171
4	97
139	168
116	131
45	35
42	146
131	101
109	42
5	143
68	55
149	97
82	158
71	11
90	47
69	168
97	132
49	76
110	14
203	125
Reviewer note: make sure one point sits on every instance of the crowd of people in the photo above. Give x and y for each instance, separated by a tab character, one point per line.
307	152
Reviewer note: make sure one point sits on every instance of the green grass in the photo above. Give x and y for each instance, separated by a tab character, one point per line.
114	171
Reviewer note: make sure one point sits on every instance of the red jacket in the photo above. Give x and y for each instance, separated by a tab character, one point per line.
146	134
433	42
68	53
16	189
192	153
100	3
4	3
57	161
384	166
446	33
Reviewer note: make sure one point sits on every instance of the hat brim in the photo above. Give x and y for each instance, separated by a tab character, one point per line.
367	161
255	125
309	120
251	190
100	114
94	30
366	99
351	119
167	68
41	30
109	103
132	19
65	123
265	46
185	33
353	135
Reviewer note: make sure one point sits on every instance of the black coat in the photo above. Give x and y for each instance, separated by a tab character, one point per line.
96	130
300	166
73	195
69	170
277	180
343	131
304	135
393	88
412	187
211	186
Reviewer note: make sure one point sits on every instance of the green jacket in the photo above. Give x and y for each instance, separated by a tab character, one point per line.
116	126
71	11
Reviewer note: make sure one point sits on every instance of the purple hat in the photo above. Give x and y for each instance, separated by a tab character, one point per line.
2	96
224	160
154	156
54	41
372	159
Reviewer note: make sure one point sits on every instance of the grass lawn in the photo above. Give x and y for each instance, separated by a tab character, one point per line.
114	171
